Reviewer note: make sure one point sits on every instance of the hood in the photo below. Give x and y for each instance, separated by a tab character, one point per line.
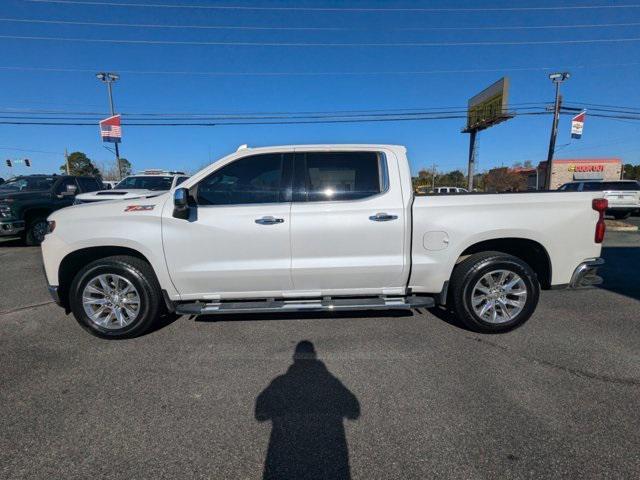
117	194
97	211
13	195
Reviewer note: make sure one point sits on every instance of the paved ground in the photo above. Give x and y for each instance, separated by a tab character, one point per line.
389	396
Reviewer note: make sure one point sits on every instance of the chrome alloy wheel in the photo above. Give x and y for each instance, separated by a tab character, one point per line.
499	296
111	301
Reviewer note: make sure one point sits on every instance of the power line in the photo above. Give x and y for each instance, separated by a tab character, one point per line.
321	44
310	74
255	27
252	123
336	9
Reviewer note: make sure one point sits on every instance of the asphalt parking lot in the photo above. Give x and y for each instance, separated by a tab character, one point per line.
389	396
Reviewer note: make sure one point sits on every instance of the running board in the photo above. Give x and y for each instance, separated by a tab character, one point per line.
316	305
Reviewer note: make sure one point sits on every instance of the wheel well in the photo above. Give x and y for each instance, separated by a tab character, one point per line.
529	251
73	262
34	213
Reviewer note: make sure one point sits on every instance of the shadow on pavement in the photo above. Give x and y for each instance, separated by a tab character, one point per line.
307	407
621	272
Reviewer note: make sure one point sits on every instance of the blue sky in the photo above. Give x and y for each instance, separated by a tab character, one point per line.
603	73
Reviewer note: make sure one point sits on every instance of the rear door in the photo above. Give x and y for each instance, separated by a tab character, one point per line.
347	224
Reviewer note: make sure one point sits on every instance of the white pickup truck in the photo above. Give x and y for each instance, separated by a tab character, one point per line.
318	227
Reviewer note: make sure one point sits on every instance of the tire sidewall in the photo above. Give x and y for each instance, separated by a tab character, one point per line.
30	239
145	316
531	283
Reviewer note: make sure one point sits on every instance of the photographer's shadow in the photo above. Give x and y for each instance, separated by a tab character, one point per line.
307	406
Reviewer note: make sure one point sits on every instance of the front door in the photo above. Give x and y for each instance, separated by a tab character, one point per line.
236	242
347	224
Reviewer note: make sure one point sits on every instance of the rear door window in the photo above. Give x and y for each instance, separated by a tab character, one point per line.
89	184
334	176
570	187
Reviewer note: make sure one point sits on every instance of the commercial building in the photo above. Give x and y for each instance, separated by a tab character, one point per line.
566	170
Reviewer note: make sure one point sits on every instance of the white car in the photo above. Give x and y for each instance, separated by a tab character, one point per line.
145	184
450	190
318	228
623	195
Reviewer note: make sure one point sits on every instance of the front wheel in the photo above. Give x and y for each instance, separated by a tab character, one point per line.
116	297
493	292
35	231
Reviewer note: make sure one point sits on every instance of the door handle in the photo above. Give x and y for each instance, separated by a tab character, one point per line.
382	217
269	220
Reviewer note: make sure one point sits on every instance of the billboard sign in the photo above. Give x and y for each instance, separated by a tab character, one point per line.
577	124
110	130
489	107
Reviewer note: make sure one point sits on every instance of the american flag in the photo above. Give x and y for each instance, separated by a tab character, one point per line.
110	130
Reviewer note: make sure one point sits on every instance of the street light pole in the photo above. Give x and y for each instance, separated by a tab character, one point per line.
557	79
109	78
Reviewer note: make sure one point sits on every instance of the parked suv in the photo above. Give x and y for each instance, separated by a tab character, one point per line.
26	201
623	195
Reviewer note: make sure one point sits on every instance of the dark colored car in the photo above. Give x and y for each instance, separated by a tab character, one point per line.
26	201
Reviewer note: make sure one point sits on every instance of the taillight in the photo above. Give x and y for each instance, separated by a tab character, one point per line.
600	205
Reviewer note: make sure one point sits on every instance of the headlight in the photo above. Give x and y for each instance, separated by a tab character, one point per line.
5	211
51	226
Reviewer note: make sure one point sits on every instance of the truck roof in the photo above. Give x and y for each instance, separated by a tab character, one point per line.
324	146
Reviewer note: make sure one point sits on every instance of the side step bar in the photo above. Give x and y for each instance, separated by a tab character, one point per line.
316	305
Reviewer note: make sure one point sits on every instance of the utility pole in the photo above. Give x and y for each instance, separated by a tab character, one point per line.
433	177
66	161
557	79
472	157
109	78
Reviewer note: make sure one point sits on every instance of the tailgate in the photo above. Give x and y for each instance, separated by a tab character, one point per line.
622	197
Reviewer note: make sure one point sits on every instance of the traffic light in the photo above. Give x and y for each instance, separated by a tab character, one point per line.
27	162
9	163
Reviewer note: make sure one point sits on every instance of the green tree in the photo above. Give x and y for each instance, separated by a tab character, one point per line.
631	172
504	179
126	167
80	164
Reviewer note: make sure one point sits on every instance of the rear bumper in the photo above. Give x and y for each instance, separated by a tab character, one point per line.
11	228
586	274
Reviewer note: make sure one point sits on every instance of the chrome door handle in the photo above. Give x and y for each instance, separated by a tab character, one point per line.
269	220
382	217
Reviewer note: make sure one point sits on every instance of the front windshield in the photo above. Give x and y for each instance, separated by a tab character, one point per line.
150	182
27	184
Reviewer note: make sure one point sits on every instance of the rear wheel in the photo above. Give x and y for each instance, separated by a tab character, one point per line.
116	297
494	292
35	231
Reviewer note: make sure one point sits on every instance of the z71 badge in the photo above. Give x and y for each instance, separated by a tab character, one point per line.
138	208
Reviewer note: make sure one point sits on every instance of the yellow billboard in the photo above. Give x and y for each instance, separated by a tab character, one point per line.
489	106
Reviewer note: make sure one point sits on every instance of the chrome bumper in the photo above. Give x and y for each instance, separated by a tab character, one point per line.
11	228
585	275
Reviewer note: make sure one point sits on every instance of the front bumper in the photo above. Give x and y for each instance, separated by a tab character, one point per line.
9	228
586	274
53	291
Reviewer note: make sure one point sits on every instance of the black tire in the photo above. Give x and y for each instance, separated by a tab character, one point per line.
35	231
467	273
620	215
136	271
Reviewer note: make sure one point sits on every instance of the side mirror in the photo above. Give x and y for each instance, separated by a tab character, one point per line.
181	203
70	191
